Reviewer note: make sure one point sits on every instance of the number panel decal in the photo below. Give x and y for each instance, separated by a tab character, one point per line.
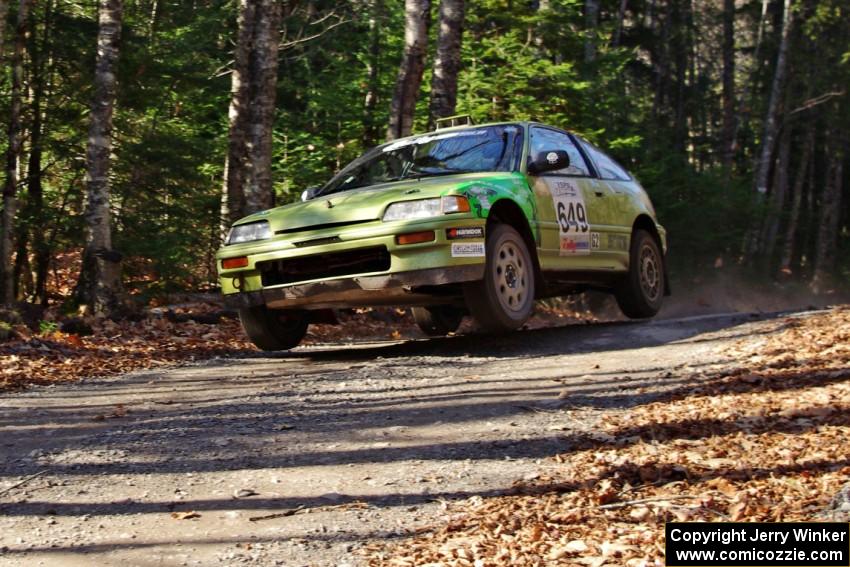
571	214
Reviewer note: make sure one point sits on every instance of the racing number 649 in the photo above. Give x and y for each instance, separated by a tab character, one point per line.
572	215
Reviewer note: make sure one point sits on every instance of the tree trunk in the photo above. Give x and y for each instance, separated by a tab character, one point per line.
247	172
417	18
13	158
777	200
370	132
447	62
618	30
259	189
4	11
41	249
99	285
235	164
830	212
661	64
683	46
746	98
796	202
591	22
727	145
152	20
771	119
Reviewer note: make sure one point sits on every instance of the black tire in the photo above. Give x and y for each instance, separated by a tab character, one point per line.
641	292
504	299
438	321
273	329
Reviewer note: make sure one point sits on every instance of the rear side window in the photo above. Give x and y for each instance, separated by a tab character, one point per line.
605	166
545	139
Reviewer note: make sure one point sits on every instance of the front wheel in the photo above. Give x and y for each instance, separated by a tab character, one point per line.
273	329
640	293
504	299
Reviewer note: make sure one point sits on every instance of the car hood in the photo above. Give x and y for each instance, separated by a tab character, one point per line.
364	204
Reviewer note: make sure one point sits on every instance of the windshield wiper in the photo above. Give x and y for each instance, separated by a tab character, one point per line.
423	174
412	176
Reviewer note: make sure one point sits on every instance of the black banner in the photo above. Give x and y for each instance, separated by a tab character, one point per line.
740	544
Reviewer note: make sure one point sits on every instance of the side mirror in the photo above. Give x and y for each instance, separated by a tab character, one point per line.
551	160
309	193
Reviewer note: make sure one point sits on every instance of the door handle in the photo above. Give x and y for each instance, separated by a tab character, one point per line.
599	193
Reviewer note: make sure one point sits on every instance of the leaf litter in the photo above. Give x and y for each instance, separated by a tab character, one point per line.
765	441
193	331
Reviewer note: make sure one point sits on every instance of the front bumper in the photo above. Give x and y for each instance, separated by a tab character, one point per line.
405	288
412	267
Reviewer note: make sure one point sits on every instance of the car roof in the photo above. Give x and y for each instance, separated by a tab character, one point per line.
486	124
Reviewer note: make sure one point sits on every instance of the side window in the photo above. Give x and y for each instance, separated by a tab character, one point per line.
607	167
544	139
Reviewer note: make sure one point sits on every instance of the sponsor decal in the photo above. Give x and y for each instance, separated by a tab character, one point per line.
482	195
618	242
552	158
594	240
467	249
465	232
571	245
571	214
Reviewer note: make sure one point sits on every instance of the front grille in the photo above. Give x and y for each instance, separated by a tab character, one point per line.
320	266
318	241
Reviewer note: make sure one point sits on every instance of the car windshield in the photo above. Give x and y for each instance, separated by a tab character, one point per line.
489	148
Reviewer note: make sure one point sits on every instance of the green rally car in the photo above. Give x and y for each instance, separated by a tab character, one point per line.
478	220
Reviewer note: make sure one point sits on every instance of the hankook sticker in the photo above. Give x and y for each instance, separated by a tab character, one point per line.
571	214
465	232
467	249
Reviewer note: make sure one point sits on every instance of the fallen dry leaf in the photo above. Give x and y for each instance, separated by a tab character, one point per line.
765	441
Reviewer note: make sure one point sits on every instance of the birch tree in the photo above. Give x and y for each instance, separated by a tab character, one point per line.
417	18
447	62
99	285
13	156
370	131
233	197
771	119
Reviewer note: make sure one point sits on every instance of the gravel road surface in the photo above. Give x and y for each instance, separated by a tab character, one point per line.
301	458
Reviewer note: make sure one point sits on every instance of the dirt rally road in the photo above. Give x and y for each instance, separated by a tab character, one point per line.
345	444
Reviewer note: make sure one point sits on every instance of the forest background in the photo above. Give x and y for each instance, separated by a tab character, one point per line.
734	114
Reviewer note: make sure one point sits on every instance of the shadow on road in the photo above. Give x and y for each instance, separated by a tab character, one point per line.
256	413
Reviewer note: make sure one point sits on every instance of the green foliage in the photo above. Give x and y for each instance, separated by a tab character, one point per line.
46	328
653	100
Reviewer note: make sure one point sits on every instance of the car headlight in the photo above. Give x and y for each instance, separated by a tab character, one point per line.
249	232
424	208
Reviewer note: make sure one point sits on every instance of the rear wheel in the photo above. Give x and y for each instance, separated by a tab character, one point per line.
504	299
437	321
640	294
273	329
